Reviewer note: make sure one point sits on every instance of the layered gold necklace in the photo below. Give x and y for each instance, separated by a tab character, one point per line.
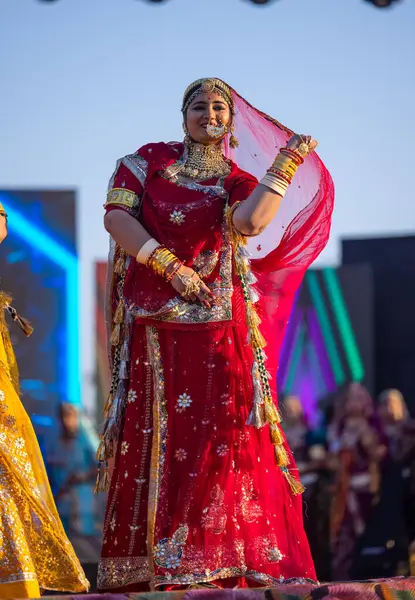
200	162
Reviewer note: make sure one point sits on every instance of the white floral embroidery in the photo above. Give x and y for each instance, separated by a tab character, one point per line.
181	454
177	217
131	396
222	450
124	448
183	402
19	443
2	396
274	554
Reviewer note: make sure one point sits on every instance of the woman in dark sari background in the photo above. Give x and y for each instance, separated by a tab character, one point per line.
358	449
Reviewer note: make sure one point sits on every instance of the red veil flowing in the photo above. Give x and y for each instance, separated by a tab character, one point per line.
300	230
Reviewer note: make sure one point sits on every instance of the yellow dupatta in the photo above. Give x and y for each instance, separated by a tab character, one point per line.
34	549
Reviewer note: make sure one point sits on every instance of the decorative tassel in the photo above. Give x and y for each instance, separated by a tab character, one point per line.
124	370
263	409
244	266
119	313
116	335
119	266
271	413
102	483
100	455
250	278
98	479
256	338
276	435
105	484
108	404
296	486
253	317
243	253
281	456
253	294
20	321
256	417
125	351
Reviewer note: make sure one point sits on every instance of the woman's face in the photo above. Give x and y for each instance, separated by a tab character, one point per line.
293	409
393	410
3	225
206	109
356	401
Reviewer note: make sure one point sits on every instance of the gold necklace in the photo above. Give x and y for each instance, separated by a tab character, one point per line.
200	162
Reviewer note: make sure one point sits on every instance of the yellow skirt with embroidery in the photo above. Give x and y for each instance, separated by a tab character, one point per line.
34	550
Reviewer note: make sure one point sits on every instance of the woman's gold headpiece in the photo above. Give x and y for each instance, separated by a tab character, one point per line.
207	84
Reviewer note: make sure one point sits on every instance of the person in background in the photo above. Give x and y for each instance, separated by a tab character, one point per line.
70	458
357	448
35	553
311	456
400	432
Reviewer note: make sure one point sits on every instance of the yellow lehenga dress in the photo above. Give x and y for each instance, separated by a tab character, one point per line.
35	553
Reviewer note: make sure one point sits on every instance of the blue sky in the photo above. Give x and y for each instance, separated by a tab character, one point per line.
83	82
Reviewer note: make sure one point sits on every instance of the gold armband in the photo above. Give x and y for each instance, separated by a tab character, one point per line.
121	197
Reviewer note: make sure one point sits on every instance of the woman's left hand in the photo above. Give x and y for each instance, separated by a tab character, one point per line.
303	144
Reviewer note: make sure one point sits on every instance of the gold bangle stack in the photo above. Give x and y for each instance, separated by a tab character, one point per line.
164	263
280	175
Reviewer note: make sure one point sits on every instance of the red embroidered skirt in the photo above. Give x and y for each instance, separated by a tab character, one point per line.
196	495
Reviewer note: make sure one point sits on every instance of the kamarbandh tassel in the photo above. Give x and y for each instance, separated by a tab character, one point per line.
108	403
256	338
116	335
105	484
253	294
119	266
125	350
276	435
271	412
102	483
263	409
119	313
295	485
256	417
253	317
98	479
124	370
281	455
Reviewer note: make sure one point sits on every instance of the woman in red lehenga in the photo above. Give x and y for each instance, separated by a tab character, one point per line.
204	488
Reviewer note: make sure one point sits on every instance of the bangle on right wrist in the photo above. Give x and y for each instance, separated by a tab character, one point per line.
163	262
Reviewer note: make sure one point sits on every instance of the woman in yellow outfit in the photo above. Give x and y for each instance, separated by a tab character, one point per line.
35	553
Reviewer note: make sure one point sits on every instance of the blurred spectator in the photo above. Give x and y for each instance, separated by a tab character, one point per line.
310	455
358	448
70	458
400	431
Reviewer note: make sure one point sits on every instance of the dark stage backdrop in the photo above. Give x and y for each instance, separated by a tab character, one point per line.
329	338
392	260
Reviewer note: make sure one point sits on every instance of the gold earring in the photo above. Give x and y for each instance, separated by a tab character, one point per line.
185	128
233	142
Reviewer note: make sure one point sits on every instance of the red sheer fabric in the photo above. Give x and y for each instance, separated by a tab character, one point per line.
196	494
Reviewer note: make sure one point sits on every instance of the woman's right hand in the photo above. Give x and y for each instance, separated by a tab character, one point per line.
204	295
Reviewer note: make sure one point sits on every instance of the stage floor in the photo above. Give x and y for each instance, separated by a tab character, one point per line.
400	588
